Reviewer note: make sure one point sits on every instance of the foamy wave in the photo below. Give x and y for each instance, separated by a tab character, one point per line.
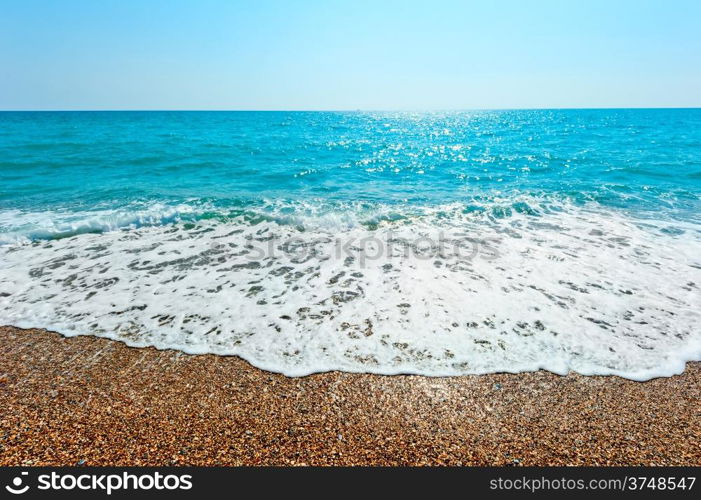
21	227
442	291
17	226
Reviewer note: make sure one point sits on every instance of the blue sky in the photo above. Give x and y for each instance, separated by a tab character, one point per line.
209	54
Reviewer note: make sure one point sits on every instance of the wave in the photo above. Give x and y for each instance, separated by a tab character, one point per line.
512	284
22	226
17	226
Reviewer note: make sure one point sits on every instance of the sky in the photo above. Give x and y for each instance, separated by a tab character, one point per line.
346	55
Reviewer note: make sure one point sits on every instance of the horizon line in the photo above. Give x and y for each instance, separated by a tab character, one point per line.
337	110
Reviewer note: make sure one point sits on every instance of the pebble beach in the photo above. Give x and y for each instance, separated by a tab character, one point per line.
93	401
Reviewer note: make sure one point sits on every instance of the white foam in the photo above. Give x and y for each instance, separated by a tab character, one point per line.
18	226
578	289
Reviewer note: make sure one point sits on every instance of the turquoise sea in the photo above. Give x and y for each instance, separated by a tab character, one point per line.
438	243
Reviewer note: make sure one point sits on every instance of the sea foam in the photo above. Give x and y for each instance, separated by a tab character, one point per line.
450	291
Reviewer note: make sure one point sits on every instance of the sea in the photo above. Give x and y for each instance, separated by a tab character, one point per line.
432	243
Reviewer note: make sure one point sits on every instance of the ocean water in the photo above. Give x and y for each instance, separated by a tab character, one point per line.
431	243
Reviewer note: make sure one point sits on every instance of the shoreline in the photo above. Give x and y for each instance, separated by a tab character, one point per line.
94	401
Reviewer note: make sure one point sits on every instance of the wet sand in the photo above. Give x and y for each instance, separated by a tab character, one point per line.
85	400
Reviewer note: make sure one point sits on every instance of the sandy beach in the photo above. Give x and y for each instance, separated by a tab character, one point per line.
92	401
